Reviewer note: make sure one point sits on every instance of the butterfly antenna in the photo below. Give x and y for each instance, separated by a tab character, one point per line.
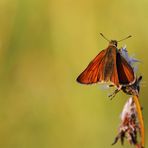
124	38
104	37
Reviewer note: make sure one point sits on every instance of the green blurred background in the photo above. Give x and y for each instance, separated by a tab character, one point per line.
44	45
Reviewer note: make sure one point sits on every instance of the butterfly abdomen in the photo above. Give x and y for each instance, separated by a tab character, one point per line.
108	65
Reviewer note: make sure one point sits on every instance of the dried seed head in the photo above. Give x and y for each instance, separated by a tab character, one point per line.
129	127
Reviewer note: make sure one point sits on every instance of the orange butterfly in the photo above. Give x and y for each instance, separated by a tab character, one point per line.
108	66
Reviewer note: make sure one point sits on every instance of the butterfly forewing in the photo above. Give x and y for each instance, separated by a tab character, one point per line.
101	68
91	73
125	71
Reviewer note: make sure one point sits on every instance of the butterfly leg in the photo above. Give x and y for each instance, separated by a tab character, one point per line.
111	96
111	85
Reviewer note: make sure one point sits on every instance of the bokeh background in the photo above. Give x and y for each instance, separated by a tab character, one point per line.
44	45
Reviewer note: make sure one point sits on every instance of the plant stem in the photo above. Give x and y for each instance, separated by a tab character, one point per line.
141	122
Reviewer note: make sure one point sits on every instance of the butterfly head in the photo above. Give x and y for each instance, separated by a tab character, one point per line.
113	42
